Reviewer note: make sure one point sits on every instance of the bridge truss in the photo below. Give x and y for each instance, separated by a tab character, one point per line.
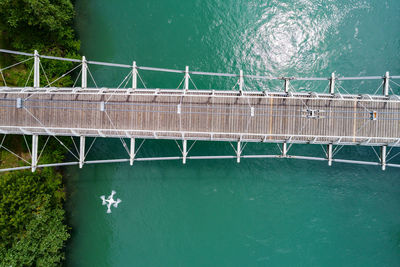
27	99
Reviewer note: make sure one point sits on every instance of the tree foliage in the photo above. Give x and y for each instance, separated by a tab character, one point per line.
43	25
31	218
32	229
42	241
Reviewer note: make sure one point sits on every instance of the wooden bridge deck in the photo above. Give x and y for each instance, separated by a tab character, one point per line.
204	115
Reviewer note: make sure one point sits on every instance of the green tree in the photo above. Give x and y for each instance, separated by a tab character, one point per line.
32	229
44	25
31	218
21	195
42	241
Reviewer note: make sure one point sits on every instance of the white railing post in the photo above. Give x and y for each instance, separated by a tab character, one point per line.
35	141
36	70
330	146
241	81
186	78
84	73
286	85
134	76
383	157
132	152
82	151
332	85
386	87
238	152
184	152
284	149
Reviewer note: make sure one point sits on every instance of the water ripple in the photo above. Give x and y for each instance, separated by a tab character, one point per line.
292	38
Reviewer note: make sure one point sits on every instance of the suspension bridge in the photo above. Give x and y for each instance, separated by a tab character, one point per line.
332	119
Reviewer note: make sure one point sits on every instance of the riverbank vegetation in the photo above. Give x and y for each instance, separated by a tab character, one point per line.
46	26
32	228
32	219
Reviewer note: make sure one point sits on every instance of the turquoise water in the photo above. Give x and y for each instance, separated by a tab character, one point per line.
261	212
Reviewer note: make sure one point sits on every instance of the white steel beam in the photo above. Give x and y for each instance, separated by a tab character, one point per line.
186	78
201	93
81	151
184	151
132	151
194	72
36	70
332	84
286	85
386	86
238	151
202	158
330	146
84	73
258	137
35	142
383	157
385	93
134	76
284	149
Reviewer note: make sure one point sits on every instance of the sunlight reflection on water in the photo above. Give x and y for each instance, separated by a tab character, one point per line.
292	38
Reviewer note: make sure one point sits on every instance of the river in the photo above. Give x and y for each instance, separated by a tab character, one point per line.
261	212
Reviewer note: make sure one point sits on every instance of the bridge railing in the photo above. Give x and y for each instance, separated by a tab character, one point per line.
329	154
133	76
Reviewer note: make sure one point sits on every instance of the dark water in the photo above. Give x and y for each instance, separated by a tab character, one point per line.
217	212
